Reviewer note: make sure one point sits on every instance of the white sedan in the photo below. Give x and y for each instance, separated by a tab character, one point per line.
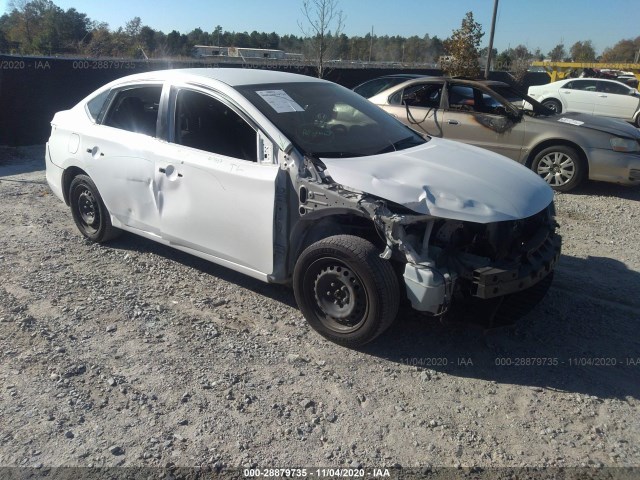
291	179
596	96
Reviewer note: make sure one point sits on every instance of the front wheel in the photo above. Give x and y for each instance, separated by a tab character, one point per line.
89	212
560	166
345	290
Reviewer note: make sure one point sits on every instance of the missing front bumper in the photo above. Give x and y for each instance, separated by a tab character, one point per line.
491	282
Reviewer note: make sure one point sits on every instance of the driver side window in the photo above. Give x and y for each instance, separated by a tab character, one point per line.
464	98
207	124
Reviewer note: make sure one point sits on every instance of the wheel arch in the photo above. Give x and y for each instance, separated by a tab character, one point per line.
314	228
67	177
552	97
558	141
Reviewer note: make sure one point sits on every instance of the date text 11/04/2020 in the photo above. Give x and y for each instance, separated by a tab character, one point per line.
316	472
434	362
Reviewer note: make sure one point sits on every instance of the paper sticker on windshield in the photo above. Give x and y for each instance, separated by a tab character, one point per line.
280	101
571	121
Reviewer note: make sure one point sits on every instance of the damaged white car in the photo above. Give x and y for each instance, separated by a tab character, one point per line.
291	179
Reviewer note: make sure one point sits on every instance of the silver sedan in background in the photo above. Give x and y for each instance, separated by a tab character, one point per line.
564	149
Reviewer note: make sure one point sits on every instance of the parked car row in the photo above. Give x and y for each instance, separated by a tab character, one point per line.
296	180
562	146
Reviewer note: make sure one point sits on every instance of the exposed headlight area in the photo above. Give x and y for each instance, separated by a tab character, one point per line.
448	258
628	145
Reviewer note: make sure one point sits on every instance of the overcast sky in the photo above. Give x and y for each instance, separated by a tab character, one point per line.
533	23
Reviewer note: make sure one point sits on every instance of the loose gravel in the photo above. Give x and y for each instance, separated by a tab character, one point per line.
134	354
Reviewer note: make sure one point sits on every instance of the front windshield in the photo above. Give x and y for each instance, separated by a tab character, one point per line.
325	120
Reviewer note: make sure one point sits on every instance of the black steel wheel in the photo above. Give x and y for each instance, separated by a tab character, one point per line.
88	210
345	290
560	166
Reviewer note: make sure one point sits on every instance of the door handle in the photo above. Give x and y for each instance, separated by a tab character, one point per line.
453	122
171	172
602	96
94	150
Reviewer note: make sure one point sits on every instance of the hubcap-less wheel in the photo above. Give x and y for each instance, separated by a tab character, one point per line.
88	209
346	292
556	168
89	212
341	300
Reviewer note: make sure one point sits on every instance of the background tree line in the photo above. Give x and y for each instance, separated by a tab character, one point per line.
39	27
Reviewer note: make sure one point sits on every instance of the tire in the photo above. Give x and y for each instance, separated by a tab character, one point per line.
346	292
554	105
560	166
89	212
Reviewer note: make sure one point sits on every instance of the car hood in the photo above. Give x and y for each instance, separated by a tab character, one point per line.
613	126
447	179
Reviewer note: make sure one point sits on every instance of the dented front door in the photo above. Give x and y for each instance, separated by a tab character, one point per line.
473	116
497	133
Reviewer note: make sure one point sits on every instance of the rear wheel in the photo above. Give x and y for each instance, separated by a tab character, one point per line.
89	212
560	166
553	105
345	290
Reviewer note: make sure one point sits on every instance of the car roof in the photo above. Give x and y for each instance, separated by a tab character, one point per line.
402	75
467	81
599	79
233	77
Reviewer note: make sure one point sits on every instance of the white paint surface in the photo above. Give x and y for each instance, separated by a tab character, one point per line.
447	179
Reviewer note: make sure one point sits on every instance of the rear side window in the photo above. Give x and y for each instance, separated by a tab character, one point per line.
135	109
94	106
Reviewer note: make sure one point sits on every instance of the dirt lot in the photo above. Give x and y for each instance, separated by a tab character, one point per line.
134	354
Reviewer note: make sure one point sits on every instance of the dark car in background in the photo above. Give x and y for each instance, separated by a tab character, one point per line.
376	85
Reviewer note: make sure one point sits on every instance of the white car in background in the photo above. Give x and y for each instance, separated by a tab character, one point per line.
596	96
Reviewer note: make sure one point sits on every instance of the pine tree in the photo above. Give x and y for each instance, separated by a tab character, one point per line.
462	49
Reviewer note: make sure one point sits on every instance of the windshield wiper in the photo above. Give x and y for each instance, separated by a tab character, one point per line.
336	154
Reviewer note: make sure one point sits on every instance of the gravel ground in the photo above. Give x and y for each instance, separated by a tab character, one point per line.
134	354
